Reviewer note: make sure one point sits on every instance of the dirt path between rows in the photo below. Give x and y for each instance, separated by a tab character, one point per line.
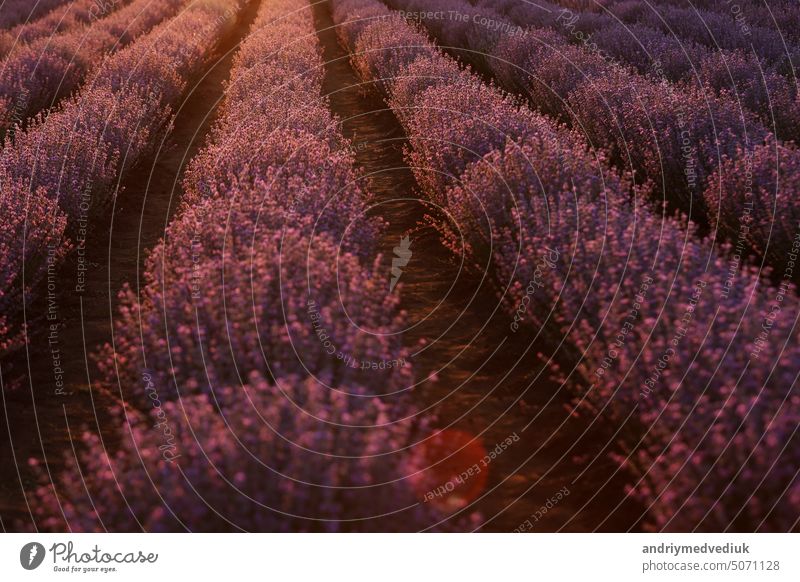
485	383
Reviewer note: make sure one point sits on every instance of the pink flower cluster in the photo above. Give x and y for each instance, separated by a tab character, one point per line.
293	456
693	359
38	75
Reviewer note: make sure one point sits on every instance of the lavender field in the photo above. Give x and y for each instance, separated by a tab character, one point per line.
399	265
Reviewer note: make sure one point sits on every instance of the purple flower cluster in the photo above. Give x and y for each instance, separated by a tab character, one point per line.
691	357
718	30
668	347
757	83
267	249
671	136
643	124
761	14
31	247
354	18
756	86
776	15
285	457
115	119
547	70
541	14
649	51
754	198
674	137
237	288
38	75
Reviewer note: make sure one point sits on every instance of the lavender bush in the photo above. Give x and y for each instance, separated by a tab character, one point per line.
66	167
264	240
118	117
672	137
659	332
757	87
286	457
242	300
31	244
754	196
219	305
650	51
547	70
717	30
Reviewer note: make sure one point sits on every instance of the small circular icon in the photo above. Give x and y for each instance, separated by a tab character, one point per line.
31	555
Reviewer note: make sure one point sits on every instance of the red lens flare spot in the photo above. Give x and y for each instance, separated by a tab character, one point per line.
451	470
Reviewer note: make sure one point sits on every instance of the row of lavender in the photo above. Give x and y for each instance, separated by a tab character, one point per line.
693	361
763	84
65	169
764	30
15	12
62	19
700	153
782	15
758	29
38	75
248	341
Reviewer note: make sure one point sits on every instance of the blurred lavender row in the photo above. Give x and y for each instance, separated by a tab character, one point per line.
69	17
14	12
688	145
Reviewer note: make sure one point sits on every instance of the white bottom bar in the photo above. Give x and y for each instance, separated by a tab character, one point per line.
402	557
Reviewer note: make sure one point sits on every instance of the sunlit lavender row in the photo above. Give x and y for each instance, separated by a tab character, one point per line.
240	331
